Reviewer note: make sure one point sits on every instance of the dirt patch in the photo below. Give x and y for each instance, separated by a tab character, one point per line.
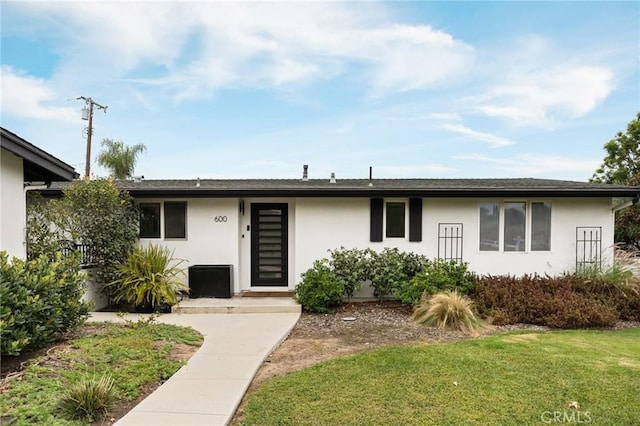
521	338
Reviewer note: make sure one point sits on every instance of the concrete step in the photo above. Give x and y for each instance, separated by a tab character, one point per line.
238	305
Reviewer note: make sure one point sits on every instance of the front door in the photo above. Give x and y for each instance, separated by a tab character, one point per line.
269	248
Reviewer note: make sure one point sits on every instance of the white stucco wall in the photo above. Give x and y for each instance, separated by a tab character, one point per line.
208	242
317	225
323	224
12	205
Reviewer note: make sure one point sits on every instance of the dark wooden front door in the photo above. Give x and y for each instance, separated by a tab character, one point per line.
269	248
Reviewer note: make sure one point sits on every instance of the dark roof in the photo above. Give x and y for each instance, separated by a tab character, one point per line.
194	188
39	165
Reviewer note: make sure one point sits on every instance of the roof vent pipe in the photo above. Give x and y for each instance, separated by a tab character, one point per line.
198	183
333	178
370	175
305	173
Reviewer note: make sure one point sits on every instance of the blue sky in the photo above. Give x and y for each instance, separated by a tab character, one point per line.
256	90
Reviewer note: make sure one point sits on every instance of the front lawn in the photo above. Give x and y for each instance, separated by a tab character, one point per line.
513	378
137	355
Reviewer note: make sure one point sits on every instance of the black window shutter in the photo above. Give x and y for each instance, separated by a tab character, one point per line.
377	205
415	219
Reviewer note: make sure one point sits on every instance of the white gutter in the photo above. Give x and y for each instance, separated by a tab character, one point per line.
626	204
35	187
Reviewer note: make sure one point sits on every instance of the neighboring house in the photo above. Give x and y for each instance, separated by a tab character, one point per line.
271	231
23	166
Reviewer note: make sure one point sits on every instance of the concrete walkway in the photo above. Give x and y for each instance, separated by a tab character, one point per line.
208	390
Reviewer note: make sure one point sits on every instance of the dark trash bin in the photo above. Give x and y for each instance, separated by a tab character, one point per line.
211	281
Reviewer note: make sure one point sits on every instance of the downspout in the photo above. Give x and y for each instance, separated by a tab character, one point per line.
28	187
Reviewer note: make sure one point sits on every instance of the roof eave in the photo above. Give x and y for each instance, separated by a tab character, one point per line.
372	192
42	163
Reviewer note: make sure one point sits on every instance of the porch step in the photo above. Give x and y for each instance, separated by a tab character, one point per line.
267	293
237	305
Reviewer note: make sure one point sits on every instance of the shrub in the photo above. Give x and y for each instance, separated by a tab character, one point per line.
621	272
320	289
437	276
447	310
39	299
89	399
566	301
351	267
93	213
392	269
148	278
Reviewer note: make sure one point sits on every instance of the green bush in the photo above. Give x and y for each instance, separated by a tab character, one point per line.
89	399
149	277
351	267
320	289
392	269
94	213
435	277
566	301
39	299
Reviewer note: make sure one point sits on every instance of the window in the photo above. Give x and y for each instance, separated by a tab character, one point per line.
540	226
515	216
150	220
489	226
516	229
175	219
395	220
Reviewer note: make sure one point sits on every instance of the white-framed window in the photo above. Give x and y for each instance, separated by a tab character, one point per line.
173	219
540	226
515	226
395	219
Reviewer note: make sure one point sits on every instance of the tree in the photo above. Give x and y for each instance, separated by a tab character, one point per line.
92	213
622	166
119	158
622	163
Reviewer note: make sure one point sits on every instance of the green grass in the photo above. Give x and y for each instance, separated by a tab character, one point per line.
507	379
132	354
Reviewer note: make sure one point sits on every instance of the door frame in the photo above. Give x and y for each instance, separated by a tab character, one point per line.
256	281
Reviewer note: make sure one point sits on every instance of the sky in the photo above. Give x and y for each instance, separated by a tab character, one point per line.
444	89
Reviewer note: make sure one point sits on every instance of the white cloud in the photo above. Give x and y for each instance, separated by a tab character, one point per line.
535	164
492	140
544	97
533	82
197	47
30	97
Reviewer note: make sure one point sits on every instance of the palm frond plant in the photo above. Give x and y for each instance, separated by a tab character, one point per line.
148	277
447	310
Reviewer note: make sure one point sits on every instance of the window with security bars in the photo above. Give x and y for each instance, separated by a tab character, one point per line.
588	248
450	242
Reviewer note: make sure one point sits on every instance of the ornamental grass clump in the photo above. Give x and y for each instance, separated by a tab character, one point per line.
447	310
89	399
149	276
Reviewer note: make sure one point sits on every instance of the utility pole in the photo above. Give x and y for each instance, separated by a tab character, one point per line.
87	114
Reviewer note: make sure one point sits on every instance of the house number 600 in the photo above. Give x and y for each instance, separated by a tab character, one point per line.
220	219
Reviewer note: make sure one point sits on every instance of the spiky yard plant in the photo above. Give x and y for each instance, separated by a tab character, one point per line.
447	310
623	272
149	276
89	399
